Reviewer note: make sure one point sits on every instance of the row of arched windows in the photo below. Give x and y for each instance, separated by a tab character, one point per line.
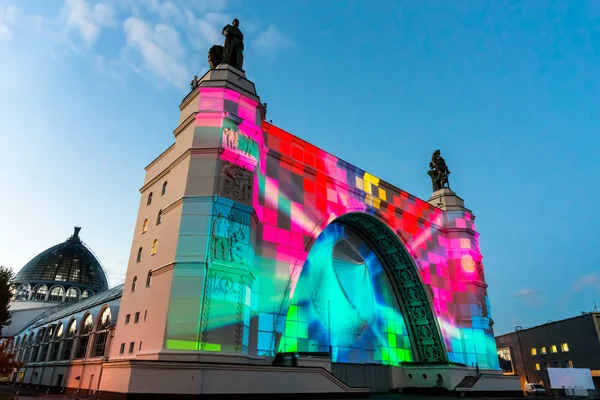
158	221
152	251
54	343
56	293
162	193
148	281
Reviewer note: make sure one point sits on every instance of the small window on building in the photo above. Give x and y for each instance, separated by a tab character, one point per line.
533	351
164	189
127	318
154	246
159	217
149	199
145	314
134	284
149	279
140	348
553	349
543	349
131	347
564	347
139	255
122	349
136	319
570	364
537	366
145	226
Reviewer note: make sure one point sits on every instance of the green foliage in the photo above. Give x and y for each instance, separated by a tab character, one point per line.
7	364
6	275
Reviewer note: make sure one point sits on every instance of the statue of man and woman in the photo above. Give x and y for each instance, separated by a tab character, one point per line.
438	172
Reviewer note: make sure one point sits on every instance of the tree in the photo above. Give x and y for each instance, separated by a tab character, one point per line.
6	275
7	363
7	359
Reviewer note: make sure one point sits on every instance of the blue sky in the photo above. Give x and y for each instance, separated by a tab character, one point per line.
89	95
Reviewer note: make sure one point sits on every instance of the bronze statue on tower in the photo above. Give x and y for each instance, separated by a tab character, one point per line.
232	53
438	172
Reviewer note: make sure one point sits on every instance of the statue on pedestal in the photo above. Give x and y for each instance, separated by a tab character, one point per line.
234	45
438	172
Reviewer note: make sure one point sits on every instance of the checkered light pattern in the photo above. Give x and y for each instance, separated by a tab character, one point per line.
299	190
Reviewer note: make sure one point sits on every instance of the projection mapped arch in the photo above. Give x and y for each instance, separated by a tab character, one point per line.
360	294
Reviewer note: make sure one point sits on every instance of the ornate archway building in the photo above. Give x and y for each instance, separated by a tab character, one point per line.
244	206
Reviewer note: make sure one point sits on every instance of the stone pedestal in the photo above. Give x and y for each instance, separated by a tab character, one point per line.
447	200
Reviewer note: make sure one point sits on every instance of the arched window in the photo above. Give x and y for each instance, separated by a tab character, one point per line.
154	246
149	279
159	217
46	343
145	226
149	199
84	337
18	347
13	292
87	293
29	345
39	292
57	293
164	189
36	346
72	295
56	340
101	335
23	292
68	341
134	284
139	255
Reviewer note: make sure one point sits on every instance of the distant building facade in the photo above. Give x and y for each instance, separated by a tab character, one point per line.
61	275
569	343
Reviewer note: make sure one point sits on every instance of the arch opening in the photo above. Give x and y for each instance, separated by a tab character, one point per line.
359	296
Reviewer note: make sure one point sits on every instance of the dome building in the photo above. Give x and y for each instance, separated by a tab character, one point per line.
57	277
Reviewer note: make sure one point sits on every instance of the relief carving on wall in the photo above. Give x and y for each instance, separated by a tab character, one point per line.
206	310
236	183
231	239
239	325
236	140
481	302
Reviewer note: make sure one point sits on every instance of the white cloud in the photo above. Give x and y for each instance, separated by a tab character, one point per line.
271	40
527	292
586	282
88	20
8	20
203	32
530	296
159	48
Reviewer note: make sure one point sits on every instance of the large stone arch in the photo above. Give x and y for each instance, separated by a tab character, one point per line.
413	298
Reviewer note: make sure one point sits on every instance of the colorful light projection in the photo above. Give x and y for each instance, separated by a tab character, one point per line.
298	191
345	300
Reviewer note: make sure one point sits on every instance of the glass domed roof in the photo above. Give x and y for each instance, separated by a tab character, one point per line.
69	263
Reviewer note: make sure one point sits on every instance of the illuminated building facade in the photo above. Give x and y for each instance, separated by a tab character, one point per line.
251	242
